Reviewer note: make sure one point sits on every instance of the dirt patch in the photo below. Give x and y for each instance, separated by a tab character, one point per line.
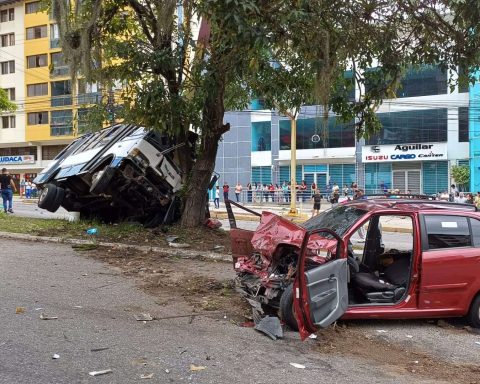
207	286
393	358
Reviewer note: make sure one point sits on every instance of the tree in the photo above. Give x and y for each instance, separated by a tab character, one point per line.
175	83
461	175
5	104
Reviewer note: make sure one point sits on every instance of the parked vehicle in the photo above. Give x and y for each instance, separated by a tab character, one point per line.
121	172
320	271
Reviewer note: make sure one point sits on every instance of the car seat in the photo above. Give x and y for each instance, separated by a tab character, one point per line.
388	289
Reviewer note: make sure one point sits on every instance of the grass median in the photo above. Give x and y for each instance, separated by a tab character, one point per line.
128	233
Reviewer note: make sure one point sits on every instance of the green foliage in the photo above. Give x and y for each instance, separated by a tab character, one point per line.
461	174
5	104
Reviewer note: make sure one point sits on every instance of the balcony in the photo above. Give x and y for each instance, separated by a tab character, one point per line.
89	98
61	101
61	130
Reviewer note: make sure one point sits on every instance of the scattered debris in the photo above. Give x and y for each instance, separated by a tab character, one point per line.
84	274
409	336
171	238
195	368
55	356
143	317
45	317
99	349
146	376
179	245
270	326
38	309
219	248
247	324
19	310
313	336
213	223
381	331
296	365
98	373
477	342
77	306
167	371
92	231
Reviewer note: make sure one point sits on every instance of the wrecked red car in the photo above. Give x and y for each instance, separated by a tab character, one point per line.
378	258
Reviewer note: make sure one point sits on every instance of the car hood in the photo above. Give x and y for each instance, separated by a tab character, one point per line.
275	230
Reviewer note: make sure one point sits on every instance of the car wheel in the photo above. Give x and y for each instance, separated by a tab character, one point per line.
474	313
57	202
101	183
47	196
286	308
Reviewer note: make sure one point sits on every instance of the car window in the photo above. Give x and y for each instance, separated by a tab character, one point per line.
447	231
338	219
475	231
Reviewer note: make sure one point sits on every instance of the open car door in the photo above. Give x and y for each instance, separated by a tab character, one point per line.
321	293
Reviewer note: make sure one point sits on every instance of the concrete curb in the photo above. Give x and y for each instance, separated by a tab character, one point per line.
186	253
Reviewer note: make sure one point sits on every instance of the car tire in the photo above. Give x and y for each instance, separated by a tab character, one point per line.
47	196
101	183
58	200
474	313
286	308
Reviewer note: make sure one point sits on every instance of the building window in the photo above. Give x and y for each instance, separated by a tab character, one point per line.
61	123
61	93
36	32
11	14
18	151
49	152
37	61
421	126
10	93
32	7
262	175
40	89
261	136
58	65
425	81
36	118
463	124
8	122
435	176
7	40
8	67
337	134
4	16
54	36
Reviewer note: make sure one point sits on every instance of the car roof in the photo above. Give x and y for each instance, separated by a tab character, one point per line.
410	205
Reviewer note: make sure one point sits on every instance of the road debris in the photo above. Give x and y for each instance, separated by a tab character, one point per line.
99	349
296	365
171	238
270	326
38	309
179	245
92	231
167	370
219	248
313	336
19	310
477	342
55	356
143	317
146	376
99	373
381	331
77	306
195	368
46	317
409	336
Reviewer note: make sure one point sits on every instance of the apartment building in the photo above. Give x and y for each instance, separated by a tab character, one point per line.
426	129
34	72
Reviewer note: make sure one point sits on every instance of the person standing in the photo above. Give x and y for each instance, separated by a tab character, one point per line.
476	200
7	187
238	191
226	189
28	189
335	193
216	200
317	200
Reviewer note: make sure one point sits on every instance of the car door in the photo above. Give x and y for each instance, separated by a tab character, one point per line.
321	293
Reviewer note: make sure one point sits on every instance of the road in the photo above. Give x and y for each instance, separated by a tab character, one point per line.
95	305
30	209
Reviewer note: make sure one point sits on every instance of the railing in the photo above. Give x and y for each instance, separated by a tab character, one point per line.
61	101
54	43
59	71
63	130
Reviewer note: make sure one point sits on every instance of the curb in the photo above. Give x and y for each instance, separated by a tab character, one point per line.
141	248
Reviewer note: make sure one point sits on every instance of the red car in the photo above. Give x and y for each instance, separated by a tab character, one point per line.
379	258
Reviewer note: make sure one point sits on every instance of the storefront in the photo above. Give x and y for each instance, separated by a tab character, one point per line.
418	168
21	168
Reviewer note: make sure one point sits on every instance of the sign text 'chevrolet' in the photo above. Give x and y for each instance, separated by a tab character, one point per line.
404	152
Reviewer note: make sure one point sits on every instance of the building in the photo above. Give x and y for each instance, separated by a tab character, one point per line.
33	72
425	131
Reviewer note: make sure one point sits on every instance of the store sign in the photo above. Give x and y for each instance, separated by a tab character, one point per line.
15	160
404	152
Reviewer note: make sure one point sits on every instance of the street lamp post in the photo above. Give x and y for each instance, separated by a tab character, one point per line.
293	165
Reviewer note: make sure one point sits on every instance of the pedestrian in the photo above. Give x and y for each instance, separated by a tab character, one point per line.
249	192
303	190
285	192
460	198
22	188
28	189
335	193
238	191
313	189
226	189
317	200
453	193
216	201
477	200
7	187
346	190
469	199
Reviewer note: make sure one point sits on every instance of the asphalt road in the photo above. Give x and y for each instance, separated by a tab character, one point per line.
30	209
95	306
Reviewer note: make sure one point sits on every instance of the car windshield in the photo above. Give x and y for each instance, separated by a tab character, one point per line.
338	219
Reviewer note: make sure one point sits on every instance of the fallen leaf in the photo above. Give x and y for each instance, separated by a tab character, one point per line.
146	376
19	310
